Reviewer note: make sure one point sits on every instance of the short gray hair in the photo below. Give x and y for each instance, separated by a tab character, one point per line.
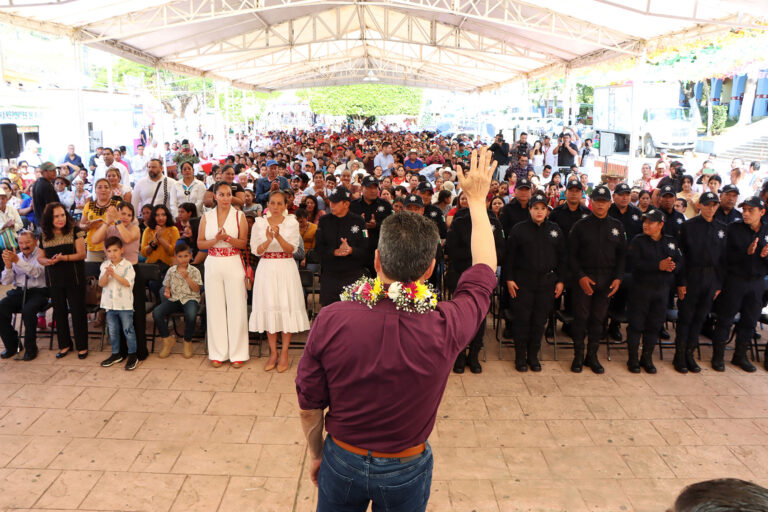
407	245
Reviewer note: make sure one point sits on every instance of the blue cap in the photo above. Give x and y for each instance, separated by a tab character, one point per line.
271	162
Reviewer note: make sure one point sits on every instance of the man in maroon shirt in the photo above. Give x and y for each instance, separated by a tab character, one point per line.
382	371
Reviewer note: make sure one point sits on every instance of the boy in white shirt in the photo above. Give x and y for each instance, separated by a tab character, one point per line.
116	280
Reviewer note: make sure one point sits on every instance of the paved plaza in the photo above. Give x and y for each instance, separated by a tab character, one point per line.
178	435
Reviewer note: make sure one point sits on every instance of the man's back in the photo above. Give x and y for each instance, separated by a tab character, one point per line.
386	385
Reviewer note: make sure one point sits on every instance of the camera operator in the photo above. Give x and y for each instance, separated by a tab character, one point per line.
566	151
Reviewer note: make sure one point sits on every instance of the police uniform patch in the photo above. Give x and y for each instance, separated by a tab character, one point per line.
433	214
679	220
635	217
671	246
355	229
553	233
615	232
721	234
584	215
380	208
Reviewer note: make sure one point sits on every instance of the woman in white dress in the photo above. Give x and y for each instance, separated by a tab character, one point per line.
223	233
278	298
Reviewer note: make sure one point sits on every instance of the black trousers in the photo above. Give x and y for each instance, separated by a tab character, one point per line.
139	319
621	299
36	300
743	296
646	314
532	307
589	312
70	300
692	311
332	285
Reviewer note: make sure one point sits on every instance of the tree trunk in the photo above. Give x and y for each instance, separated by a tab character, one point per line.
745	114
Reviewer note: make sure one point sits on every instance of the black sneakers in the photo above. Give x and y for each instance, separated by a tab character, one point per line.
113	359
131	363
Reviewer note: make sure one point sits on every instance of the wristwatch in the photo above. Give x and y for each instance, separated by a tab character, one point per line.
118	222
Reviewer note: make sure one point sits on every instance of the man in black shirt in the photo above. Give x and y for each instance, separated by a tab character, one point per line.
500	150
631	217
431	211
511	213
673	219
534	273
458	249
703	243
43	191
727	213
597	249
342	244
373	210
566	152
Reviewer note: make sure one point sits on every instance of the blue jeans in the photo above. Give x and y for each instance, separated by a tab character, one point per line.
117	320
163	310
348	482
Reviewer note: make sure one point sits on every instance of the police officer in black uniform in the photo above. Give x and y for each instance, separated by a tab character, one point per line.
373	210
632	218
566	216
673	219
510	214
342	244
727	213
747	265
414	203
534	274
432	212
459	251
654	258
597	248
703	244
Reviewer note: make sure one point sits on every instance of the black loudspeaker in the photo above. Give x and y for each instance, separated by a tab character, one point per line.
9	141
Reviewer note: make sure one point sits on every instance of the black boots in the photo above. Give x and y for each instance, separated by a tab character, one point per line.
633	363
591	360
521	359
690	360
646	360
679	361
472	361
740	358
578	357
718	354
461	362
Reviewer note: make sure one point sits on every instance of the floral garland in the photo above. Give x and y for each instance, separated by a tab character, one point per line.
414	297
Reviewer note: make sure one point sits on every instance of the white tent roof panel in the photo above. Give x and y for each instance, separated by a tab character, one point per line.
454	44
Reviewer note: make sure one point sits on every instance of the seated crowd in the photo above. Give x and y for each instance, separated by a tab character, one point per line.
227	243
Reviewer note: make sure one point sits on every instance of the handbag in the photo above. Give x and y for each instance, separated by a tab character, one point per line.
244	259
8	240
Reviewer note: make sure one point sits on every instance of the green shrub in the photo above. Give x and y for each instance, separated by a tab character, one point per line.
719	117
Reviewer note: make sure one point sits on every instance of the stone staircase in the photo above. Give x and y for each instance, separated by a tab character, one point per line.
754	150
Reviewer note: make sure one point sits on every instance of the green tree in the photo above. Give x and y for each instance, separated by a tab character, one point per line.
363	100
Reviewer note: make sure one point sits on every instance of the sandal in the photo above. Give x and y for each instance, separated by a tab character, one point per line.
237	364
215	363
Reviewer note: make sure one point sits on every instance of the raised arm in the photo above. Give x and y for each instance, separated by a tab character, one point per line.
475	183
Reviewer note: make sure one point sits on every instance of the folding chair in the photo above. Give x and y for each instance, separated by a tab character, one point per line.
92	271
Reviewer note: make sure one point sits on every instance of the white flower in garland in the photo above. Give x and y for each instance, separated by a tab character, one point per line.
394	291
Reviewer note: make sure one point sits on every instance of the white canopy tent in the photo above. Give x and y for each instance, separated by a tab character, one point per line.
461	45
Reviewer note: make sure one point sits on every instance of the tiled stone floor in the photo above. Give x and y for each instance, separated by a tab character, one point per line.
178	435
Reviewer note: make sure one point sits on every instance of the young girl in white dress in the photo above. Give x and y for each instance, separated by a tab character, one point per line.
278	304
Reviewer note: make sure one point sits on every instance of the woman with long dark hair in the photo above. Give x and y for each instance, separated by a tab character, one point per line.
223	233
63	244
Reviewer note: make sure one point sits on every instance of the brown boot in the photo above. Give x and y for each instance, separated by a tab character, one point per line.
188	349
168	344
